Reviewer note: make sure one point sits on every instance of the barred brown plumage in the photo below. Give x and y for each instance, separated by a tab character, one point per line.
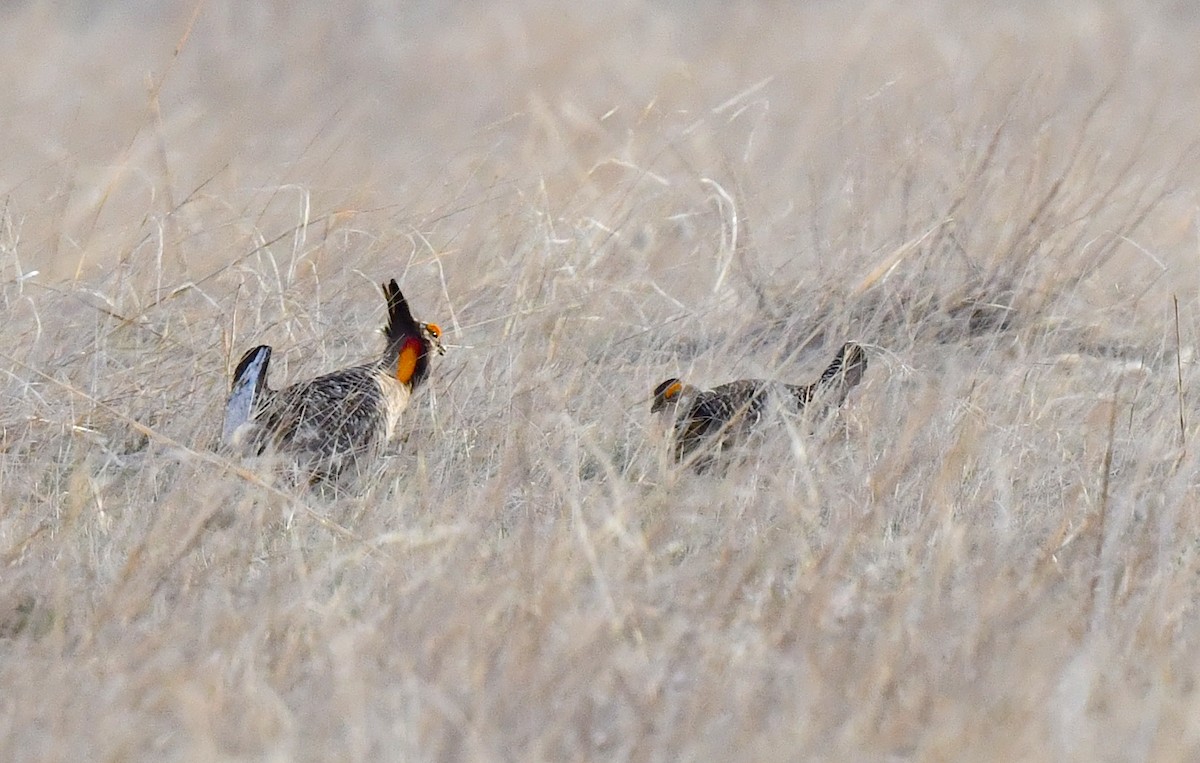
726	414
338	420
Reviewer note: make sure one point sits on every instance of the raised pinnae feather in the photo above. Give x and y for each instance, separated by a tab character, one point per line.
400	324
401	327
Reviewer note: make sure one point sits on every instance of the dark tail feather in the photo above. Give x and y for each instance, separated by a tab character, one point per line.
249	383
843	374
848	366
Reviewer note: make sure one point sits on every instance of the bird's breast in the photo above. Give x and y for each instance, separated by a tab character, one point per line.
394	397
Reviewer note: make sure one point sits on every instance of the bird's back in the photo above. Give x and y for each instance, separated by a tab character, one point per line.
728	412
333	421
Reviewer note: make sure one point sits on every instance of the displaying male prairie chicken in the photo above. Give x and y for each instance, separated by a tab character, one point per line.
338	420
724	416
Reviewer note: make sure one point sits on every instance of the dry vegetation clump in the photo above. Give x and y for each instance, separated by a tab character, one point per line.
991	553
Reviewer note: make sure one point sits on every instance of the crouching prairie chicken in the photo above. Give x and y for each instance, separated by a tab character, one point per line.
341	419
725	416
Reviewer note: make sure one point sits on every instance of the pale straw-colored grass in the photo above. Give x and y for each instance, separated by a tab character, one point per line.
990	554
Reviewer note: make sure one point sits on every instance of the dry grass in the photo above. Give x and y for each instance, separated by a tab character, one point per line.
991	554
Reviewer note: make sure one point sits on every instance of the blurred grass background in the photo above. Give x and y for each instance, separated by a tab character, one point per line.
991	554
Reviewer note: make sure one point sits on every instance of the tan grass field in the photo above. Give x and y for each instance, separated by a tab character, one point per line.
992	553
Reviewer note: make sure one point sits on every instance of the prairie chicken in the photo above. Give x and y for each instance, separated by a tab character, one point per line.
338	420
727	414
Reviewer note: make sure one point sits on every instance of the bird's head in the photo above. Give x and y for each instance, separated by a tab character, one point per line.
667	395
